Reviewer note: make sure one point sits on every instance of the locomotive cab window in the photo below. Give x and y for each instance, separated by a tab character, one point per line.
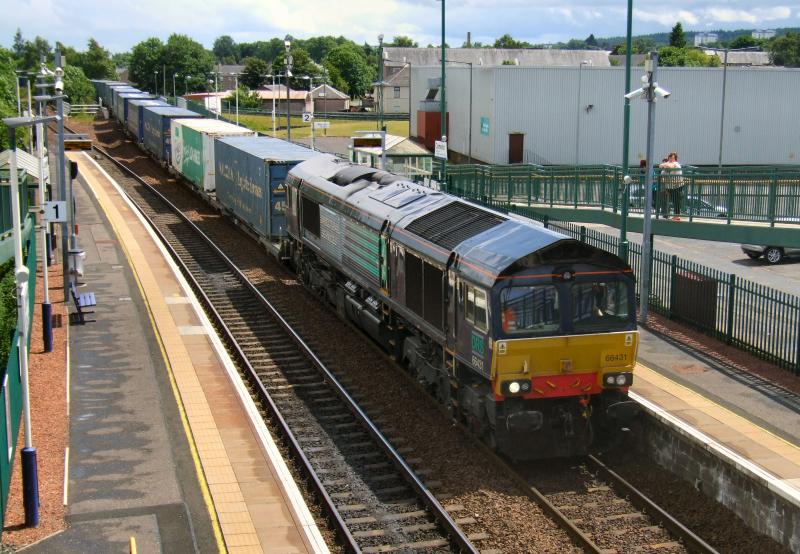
530	309
475	310
600	304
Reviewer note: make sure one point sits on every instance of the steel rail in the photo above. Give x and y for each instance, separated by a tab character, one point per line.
438	511
661	516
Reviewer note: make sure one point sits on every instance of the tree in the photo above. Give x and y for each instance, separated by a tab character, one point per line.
8	96
743	41
785	50
507	41
121	59
247	99
184	56
676	37
19	44
670	56
347	68
254	73
147	58
77	87
591	42
225	50
33	53
302	65
96	62
403	42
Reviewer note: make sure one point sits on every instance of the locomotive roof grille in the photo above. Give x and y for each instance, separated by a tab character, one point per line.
454	223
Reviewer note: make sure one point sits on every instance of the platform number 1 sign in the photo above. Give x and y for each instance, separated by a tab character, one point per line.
55	211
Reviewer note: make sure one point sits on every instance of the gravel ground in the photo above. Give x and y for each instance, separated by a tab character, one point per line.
49	423
515	523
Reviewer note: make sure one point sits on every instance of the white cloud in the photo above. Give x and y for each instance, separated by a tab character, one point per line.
755	16
665	17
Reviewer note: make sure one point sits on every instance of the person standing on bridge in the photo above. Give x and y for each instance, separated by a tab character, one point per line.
672	177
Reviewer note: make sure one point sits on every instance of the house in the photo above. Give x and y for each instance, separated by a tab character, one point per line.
328	99
763	33
226	75
404	156
395	89
705	38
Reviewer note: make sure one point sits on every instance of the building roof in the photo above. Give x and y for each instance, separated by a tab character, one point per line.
230	69
329	92
743	58
26	161
397	146
400	78
496	56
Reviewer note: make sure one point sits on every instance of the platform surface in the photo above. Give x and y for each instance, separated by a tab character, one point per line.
741	412
164	445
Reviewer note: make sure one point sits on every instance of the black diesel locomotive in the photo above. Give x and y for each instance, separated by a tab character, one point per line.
526	335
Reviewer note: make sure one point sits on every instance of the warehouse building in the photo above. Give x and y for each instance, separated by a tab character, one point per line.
573	115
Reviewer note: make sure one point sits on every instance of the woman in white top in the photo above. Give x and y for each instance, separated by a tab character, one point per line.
673	182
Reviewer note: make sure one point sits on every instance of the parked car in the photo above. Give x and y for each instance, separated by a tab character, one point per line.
691	204
773	254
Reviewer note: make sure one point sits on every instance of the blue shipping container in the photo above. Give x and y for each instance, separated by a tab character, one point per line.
136	116
122	103
157	130
114	91
251	179
108	91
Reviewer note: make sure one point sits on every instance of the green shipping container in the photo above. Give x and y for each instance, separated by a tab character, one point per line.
193	148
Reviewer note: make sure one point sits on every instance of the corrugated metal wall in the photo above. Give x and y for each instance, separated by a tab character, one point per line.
555	105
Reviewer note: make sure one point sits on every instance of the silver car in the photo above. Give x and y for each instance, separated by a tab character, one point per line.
773	254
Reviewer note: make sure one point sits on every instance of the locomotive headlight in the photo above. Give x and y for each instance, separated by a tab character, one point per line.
610	379
621	379
624	379
513	387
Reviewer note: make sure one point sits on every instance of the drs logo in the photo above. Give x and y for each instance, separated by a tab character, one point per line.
478	344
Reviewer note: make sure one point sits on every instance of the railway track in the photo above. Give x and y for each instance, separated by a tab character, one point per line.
603	512
370	492
400	510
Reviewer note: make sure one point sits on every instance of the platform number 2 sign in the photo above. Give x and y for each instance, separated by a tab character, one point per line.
55	211
308	117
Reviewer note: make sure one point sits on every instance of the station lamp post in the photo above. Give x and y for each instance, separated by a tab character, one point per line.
443	103
287	44
380	83
273	100
155	82
626	115
30	479
649	91
185	84
174	95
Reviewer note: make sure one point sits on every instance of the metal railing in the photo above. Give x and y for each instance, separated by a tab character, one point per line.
11	390
749	193
758	319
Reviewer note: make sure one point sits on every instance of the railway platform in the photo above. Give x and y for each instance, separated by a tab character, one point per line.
166	445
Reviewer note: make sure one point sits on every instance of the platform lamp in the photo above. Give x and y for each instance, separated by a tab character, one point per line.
30	479
155	82
174	96
287	44
273	100
185	85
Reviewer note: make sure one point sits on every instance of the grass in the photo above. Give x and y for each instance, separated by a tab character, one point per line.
338	128
82	117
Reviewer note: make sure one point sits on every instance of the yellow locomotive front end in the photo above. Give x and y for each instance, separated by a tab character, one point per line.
562	360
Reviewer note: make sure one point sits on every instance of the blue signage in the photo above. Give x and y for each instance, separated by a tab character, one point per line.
485	126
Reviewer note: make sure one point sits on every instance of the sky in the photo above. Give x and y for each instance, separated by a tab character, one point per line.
119	24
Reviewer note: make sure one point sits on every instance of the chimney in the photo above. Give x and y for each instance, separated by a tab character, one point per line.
469	39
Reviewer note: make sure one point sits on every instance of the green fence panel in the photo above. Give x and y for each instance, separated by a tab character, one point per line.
11	392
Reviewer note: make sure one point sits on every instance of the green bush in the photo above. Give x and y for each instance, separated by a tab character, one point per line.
8	310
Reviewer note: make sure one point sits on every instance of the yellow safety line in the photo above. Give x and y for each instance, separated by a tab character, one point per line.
720	406
212	512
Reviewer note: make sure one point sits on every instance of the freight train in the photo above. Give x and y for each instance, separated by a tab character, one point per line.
525	335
